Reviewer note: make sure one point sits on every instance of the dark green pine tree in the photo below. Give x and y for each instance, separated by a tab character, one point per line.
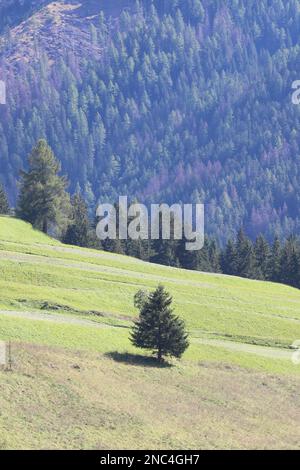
214	257
290	263
229	259
246	265
115	245
203	257
157	328
43	200
187	259
207	259
139	249
78	231
262	258
275	261
4	206
166	251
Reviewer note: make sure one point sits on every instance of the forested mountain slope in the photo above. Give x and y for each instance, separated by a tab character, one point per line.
183	100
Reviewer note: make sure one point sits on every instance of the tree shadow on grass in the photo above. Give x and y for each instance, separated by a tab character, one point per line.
137	360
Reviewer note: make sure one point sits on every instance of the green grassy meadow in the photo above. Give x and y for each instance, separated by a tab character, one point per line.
78	383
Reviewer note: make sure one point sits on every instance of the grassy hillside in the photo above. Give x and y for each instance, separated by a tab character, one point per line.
68	313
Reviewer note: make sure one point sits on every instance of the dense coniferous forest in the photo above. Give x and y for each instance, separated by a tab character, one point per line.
178	101
276	261
44	202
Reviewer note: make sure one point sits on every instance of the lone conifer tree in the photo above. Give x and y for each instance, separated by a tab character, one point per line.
157	328
43	199
4	206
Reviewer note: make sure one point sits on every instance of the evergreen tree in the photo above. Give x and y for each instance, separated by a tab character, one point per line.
290	263
79	228
229	259
187	259
140	249
43	200
140	298
4	206
246	266
157	328
203	257
262	258
207	259
275	261
166	251
214	257
115	245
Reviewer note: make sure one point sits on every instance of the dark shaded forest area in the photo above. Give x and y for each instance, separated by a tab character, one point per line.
186	101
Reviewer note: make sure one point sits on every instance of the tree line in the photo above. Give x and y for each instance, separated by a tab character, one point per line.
44	201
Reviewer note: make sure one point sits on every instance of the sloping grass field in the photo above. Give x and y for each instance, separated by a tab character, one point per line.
77	382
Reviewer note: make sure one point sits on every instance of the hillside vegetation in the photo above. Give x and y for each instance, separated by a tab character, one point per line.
77	381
